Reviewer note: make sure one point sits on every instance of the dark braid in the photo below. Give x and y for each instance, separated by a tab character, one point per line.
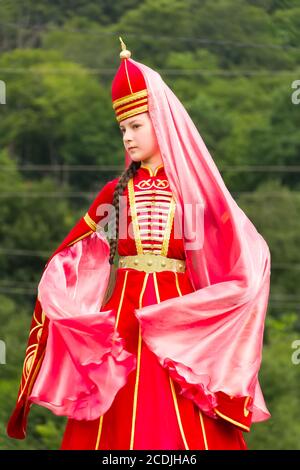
119	190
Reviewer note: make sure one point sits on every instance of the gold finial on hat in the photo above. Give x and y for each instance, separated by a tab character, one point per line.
124	54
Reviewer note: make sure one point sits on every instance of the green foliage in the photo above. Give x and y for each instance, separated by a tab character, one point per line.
278	221
280	381
44	430
26	226
48	104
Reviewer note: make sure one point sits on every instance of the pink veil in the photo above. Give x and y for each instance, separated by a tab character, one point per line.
210	340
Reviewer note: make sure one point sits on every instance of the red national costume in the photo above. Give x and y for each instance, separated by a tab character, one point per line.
171	361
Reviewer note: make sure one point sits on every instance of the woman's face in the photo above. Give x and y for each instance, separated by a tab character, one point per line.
139	138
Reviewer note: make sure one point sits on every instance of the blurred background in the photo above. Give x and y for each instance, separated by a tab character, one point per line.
233	64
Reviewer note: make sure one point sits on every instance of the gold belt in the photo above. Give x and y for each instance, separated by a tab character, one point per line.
150	262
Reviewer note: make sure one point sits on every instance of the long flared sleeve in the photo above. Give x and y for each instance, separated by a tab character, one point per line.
85	363
38	333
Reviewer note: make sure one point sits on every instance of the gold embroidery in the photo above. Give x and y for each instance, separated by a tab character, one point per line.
36	370
177	283
129	98
28	363
243	426
31	352
90	222
161	183
80	238
99	432
203	430
157	184
144	198
121	300
166	241
136	230
122	108
170	212
30	387
159	192
156	287
132	112
144	184
127	74
138	367
246	411
150	169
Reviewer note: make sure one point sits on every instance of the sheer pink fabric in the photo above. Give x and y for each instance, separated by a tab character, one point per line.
85	363
210	340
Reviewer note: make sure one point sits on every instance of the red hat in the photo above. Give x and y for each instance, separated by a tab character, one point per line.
129	91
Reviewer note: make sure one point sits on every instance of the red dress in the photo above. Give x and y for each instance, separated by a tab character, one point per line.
149	412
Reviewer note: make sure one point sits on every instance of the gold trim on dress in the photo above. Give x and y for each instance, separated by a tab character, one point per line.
36	370
246	411
173	388
152	173
151	262
158	192
99	432
100	427
81	237
177	284
203	430
121	300
243	426
31	355
136	230
90	222
156	287
135	397
178	414
168	229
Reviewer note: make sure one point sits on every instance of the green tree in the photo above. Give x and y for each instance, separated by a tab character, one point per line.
274	210
279	378
57	114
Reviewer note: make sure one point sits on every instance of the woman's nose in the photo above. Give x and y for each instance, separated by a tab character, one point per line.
127	136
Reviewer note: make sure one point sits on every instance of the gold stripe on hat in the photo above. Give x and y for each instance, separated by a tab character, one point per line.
128	79
132	104
128	98
134	111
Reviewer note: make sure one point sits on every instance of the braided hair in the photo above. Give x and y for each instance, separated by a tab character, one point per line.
119	189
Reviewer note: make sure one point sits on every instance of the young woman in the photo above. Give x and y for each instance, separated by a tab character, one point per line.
166	353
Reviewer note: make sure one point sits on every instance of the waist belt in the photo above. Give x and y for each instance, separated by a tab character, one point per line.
150	262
